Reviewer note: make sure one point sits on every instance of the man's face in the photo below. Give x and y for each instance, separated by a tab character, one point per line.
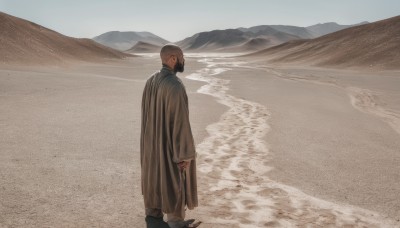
180	64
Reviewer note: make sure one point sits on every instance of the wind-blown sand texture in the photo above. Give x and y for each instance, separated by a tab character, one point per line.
278	147
24	42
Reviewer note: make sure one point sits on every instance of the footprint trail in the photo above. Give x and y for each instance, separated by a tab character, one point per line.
233	167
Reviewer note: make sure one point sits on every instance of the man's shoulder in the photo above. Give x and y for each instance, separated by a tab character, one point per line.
151	77
166	81
173	80
175	86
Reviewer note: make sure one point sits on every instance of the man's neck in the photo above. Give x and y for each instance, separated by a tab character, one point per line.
168	68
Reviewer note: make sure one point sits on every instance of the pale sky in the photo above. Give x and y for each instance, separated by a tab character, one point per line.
177	19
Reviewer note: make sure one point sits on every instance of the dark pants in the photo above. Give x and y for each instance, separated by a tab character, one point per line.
176	218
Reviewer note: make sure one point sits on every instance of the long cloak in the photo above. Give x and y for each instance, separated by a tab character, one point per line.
165	140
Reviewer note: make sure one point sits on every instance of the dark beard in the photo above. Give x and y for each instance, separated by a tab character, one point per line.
179	67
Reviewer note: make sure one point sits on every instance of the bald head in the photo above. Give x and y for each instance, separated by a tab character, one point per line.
172	56
168	51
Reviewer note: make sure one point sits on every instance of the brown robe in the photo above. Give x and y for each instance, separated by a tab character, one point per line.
166	139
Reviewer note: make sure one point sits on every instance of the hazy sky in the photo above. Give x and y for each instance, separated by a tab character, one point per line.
177	19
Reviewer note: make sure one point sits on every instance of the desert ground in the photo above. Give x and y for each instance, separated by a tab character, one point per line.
277	145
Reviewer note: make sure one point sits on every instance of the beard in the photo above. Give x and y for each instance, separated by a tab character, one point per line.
179	67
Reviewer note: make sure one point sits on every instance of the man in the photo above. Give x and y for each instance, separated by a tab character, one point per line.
167	149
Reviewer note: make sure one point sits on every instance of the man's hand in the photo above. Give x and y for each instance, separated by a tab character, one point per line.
183	165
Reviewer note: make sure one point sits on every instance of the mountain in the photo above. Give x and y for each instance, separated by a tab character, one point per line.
269	32
143	47
234	40
125	40
309	32
256	44
374	45
22	41
330	27
299	32
216	39
254	38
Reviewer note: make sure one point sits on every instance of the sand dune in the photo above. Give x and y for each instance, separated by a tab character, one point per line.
375	45
25	42
143	47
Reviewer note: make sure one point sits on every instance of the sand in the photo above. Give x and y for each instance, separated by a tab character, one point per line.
277	146
69	148
315	141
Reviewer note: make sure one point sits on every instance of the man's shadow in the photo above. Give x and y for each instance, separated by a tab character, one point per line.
153	222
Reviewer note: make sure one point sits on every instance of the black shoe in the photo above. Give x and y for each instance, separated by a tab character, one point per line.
153	222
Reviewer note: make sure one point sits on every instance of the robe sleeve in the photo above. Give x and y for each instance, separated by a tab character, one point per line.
181	141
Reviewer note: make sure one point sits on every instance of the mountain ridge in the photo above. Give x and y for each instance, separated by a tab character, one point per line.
22	41
143	47
374	45
125	40
234	40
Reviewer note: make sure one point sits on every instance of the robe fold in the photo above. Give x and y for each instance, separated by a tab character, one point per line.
165	140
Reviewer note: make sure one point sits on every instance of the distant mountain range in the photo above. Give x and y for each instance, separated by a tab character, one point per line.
326	28
255	38
228	40
143	47
22	41
234	40
374	45
125	40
